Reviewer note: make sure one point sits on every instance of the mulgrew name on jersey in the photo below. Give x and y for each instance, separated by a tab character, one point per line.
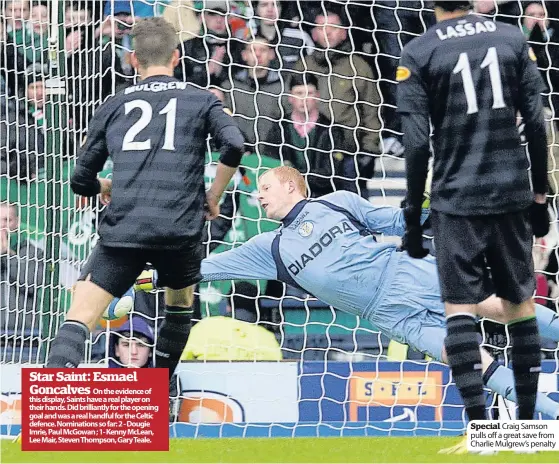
465	28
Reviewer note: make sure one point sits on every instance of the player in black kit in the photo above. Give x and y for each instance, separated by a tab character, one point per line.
156	134
471	78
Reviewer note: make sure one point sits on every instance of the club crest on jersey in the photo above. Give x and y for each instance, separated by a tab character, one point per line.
402	73
306	229
319	245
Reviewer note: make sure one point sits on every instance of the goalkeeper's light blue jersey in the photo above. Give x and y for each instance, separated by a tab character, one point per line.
325	247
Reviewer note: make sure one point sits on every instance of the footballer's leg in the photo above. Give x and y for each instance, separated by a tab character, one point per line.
460	243
510	258
426	333
109	272
178	271
416	292
548	321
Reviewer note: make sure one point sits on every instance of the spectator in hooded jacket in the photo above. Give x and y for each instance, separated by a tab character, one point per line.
131	345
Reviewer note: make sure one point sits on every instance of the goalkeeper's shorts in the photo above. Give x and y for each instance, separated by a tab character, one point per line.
411	311
115	269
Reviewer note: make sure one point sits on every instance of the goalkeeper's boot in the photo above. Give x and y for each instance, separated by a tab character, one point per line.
17	439
462	448
146	281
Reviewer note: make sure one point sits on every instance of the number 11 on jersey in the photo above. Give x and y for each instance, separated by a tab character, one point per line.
491	61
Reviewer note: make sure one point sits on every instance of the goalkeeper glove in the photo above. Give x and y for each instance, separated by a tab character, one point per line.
146	281
539	218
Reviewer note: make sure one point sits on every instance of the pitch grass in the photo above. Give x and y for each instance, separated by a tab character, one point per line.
280	450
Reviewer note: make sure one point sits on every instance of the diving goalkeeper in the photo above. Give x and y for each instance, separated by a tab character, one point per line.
326	247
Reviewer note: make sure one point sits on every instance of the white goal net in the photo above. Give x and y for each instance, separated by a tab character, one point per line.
311	84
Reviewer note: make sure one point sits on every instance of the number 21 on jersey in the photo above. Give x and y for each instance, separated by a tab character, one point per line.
129	143
490	61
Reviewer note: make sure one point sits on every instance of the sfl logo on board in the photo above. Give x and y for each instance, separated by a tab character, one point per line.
209	407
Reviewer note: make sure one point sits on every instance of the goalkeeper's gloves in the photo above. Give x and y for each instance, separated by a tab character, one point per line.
412	241
146	281
539	217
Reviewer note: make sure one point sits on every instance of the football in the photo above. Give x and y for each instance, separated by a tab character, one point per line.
120	307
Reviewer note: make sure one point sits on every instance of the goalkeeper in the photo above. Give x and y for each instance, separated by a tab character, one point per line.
326	247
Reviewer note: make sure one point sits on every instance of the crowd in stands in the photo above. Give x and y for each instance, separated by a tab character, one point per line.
310	84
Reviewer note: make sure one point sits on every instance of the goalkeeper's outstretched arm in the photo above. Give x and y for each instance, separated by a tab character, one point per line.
252	260
378	219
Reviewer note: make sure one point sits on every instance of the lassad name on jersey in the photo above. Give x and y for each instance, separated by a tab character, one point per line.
317	247
465	29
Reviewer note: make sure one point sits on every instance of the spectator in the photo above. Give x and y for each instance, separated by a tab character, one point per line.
182	15
22	144
116	27
543	40
204	59
75	16
21	276
292	43
17	13
12	64
39	20
35	94
306	139
393	28
507	11
31	45
254	96
131	345
93	72
141	8
348	94
534	14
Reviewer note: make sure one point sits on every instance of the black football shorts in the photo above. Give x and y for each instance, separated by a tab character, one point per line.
481	255
115	269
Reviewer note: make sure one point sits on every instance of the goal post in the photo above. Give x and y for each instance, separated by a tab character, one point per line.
55	115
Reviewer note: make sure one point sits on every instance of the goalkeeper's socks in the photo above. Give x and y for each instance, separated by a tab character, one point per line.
501	380
526	363
172	337
68	347
548	322
464	358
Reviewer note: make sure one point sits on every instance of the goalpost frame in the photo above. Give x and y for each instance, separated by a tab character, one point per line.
55	121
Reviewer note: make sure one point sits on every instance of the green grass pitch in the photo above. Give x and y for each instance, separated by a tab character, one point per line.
280	450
